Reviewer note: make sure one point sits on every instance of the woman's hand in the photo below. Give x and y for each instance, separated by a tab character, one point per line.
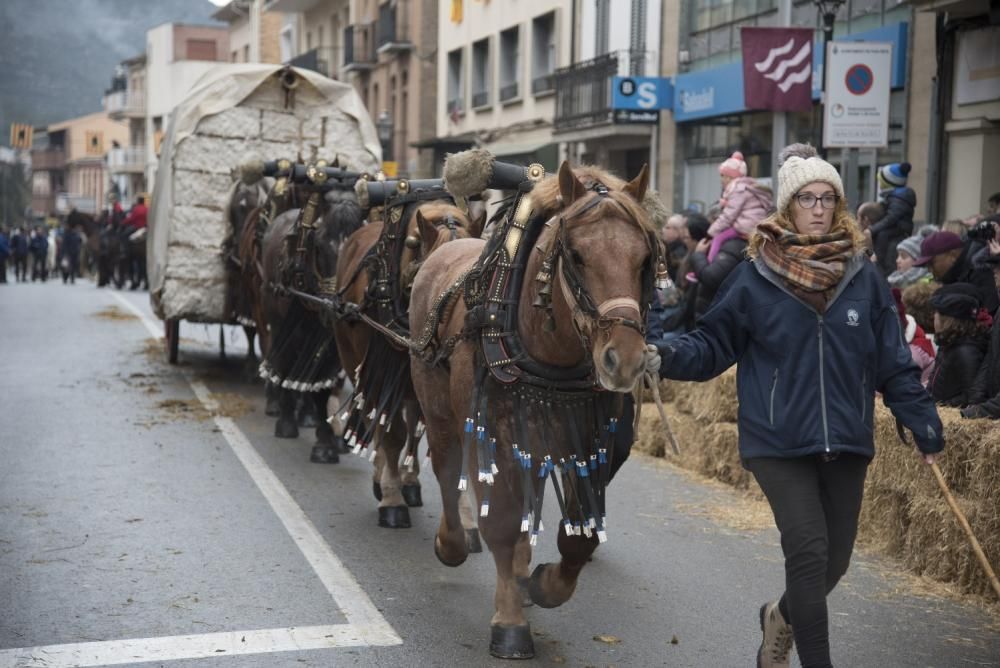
928	459
703	245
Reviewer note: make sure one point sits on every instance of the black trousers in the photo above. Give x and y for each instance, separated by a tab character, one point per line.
3	270
816	506
20	267
38	268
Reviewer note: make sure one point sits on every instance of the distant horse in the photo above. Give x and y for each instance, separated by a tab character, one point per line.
523	387
377	268
91	228
301	354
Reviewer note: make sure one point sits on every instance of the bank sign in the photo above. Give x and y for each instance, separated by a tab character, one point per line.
719	91
640	99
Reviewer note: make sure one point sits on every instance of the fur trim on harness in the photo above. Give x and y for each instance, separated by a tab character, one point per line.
268	374
361	190
653	205
468	173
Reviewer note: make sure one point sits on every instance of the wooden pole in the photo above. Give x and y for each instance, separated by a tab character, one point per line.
968	529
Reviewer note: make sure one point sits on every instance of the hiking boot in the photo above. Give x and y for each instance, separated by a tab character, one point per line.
776	646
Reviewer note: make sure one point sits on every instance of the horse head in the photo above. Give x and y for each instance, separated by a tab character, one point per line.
592	277
341	216
244	199
431	226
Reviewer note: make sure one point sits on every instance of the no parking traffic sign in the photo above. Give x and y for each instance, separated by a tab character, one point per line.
856	110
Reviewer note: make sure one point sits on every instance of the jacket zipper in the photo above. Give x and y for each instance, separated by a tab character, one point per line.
774	387
822	385
864	394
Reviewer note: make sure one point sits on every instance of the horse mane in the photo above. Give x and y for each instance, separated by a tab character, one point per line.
440	209
344	213
547	200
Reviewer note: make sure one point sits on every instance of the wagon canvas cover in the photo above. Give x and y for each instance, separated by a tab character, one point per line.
236	113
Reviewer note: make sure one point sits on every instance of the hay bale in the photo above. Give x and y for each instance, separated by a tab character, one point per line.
884	522
713	400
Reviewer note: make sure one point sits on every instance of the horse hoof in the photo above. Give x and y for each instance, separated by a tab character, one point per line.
535	591
377	490
511	642
472	541
324	454
411	494
307	420
394	517
342	447
449	564
272	408
286	429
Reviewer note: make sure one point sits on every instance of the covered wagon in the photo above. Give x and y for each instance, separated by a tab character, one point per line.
233	114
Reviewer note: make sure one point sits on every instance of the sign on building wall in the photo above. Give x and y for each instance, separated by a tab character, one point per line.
858	82
21	135
94	142
639	99
777	68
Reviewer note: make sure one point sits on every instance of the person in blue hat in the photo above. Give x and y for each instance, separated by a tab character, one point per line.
896	223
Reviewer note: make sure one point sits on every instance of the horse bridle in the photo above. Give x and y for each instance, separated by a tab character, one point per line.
588	316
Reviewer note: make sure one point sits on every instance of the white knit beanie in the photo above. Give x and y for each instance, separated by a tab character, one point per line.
796	173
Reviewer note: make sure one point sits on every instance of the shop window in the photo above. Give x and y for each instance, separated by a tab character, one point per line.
481	73
722	11
865	7
720	40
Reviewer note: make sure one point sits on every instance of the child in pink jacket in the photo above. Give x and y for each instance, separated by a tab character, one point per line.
744	204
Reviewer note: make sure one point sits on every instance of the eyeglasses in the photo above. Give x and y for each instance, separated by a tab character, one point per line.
808	200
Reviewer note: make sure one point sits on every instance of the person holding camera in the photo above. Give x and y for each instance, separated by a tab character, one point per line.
950	261
985	393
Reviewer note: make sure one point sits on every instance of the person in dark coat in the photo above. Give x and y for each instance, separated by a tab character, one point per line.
711	275
897	220
69	254
961	328
813	331
19	250
39	248
4	254
950	261
985	393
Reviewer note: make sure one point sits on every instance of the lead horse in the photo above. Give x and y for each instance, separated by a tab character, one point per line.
541	333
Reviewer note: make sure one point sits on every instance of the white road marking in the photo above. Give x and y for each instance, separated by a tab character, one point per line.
366	626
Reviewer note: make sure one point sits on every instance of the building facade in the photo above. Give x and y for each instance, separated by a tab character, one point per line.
241	37
69	168
125	101
496	85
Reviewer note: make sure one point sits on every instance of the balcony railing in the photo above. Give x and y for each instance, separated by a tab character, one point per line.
394	27
583	90
48	159
125	103
510	91
359	47
127	160
324	59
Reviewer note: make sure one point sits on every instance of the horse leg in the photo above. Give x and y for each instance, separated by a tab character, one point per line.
393	513
252	364
273	394
551	585
326	450
286	426
510	634
467	510
333	405
411	467
306	411
446	458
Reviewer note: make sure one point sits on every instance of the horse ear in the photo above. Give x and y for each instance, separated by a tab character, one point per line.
570	188
428	233
637	187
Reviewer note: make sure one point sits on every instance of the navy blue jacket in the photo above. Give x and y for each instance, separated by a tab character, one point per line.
806	382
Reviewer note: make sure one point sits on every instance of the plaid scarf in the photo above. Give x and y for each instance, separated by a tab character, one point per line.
811	264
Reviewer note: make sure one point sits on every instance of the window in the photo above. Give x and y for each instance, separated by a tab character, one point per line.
481	73
510	63
319	36
602	27
543	53
200	49
309	41
456	87
246	53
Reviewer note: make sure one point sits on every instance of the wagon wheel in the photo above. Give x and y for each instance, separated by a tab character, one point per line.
173	336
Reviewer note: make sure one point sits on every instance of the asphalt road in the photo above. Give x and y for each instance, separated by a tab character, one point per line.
139	528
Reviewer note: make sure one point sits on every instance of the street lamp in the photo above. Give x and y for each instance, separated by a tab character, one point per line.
828	10
383	125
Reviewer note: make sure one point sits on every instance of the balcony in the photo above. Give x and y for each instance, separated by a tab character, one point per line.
324	59
48	159
127	160
125	104
583	90
359	47
394	27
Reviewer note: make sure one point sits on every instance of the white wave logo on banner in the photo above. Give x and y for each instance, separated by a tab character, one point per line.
784	70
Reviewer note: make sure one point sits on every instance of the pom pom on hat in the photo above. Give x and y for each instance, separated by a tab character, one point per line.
734	166
797	172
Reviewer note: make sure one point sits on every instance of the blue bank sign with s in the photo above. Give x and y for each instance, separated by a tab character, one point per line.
639	99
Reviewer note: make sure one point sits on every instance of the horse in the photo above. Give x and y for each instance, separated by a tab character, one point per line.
417	228
244	199
488	376
91	229
301	355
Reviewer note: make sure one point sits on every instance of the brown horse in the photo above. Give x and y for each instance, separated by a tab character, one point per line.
596	225
431	225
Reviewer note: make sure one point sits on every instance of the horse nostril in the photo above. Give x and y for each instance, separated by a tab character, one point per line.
610	359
